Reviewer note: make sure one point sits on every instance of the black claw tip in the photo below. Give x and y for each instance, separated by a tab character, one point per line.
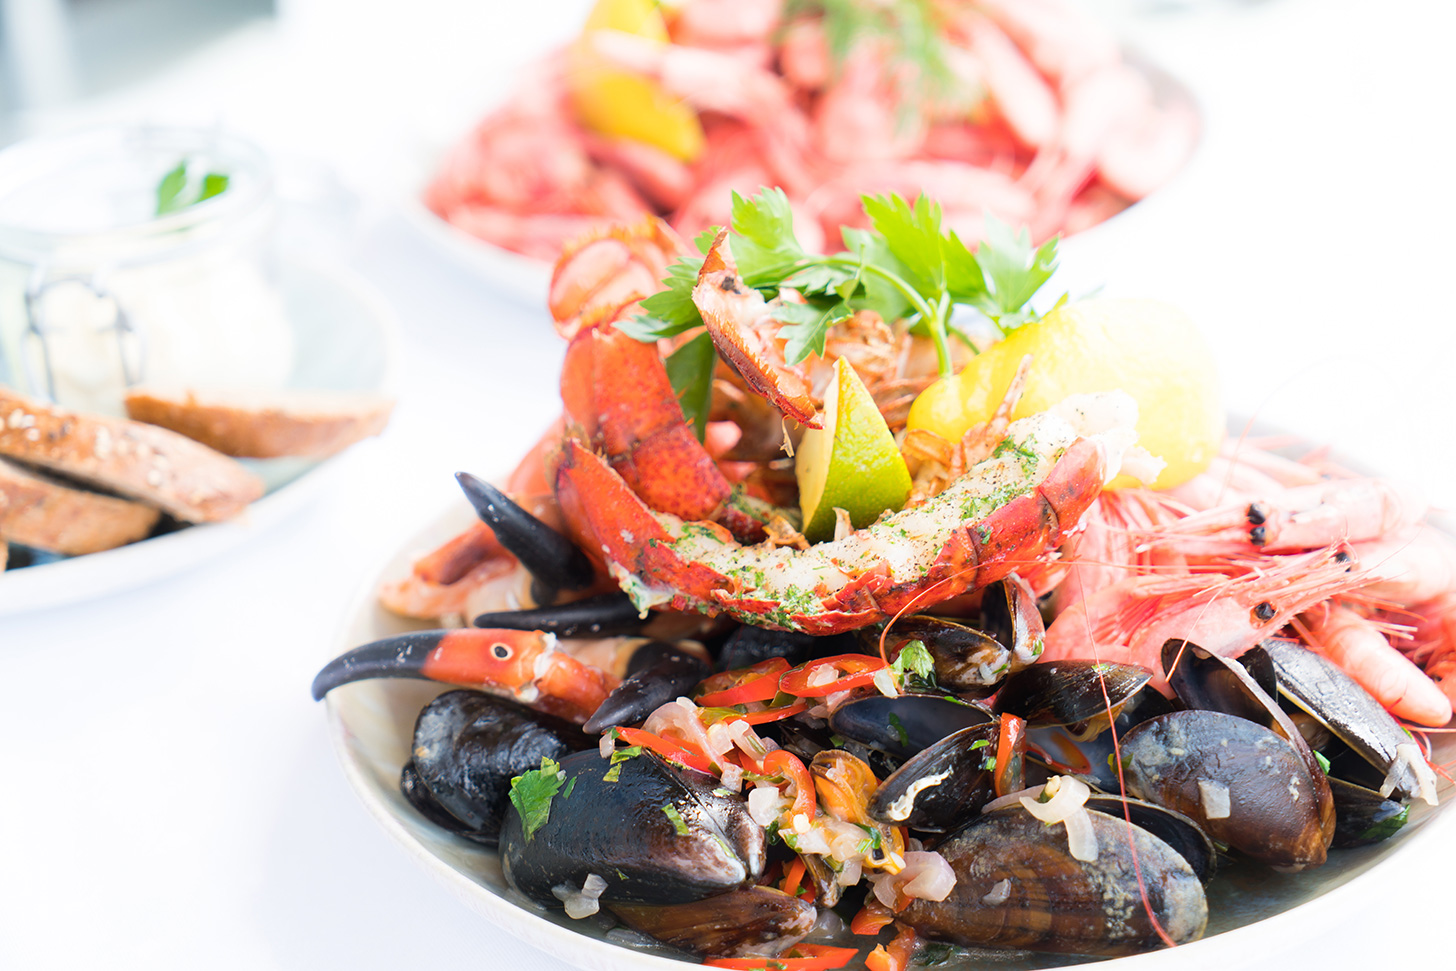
551	558
392	657
662	672
605	615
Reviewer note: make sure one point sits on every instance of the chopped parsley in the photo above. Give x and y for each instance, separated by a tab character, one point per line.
532	792
914	661
176	191
899	728
618	757
670	811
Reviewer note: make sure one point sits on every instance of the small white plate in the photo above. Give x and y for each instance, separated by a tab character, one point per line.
345	335
1252	910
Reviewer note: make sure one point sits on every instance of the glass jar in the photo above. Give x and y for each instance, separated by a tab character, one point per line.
98	292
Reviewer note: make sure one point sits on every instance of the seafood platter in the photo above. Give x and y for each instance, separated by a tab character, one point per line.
883	609
1031	112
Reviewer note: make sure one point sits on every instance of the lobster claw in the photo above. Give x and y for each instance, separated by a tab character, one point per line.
470	656
554	561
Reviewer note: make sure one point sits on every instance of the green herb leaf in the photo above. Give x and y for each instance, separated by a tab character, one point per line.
690	371
899	729
1014	272
914	661
670	311
913	235
618	757
169	190
1324	763
763	241
532	792
213	184
807	327
670	811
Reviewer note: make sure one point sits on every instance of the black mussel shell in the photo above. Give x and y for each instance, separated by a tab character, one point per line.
1173	828
658	673
1318	686
943	786
749	922
467	746
654	833
1189	760
1092	759
1017	886
903	726
748	645
1363	816
1071	693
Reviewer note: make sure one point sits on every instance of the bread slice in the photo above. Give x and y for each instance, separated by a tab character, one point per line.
264	424
36	510
140	461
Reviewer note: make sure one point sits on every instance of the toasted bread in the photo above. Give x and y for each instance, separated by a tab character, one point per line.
137	460
36	510
264	424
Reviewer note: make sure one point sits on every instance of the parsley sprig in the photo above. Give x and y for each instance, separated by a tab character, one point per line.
533	790
906	265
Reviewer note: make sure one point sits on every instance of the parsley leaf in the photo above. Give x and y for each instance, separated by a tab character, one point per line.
176	192
914	660
678	823
1013	271
532	792
690	371
764	245
671	311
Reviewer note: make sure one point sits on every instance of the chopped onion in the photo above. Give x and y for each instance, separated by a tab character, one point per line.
679	719
1081	837
1408	757
822	675
927	875
1068	796
1011	799
1215	796
607	745
811	840
1000	893
849	874
581	903
885	682
732	777
765	804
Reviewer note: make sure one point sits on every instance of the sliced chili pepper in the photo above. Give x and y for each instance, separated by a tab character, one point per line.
794	876
897	956
1009	775
872	918
855	671
759	682
780	762
776	714
669	748
802	957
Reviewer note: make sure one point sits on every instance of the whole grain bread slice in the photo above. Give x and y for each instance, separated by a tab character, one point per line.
264	424
141	461
36	510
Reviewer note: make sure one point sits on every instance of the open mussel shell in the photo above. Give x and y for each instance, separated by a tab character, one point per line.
903	726
943	786
621	830
1082	695
967	661
1018	886
1318	686
1364	816
1054	750
1240	782
1173	828
748	922
467	747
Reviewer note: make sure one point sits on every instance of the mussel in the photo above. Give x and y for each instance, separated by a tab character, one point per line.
972	659
467	746
1018	886
942	786
748	922
656	834
1083	696
903	726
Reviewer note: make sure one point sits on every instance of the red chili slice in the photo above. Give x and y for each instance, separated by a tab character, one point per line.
757	683
855	671
802	957
776	714
1010	755
779	762
669	748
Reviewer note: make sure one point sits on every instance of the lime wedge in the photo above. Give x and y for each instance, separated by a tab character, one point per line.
852	462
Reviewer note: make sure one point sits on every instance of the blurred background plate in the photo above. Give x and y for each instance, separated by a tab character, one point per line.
345	335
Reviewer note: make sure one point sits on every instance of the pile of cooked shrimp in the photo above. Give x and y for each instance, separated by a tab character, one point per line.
1021	109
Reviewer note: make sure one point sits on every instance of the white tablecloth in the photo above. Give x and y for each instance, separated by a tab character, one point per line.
173	801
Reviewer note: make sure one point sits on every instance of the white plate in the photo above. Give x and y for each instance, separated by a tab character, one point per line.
1252	909
344	335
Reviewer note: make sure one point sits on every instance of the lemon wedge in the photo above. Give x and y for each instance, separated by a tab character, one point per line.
1149	349
852	462
620	104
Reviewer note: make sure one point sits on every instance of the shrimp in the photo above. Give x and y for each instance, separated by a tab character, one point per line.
1359	647
1306	517
1130	620
1433	643
1414	567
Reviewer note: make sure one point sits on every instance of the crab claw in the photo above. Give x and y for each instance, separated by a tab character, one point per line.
605	615
497	658
552	559
525	665
660	672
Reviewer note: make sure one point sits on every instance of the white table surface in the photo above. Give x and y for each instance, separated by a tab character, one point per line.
173	801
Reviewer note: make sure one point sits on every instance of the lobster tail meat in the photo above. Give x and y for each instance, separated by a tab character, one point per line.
1005	513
